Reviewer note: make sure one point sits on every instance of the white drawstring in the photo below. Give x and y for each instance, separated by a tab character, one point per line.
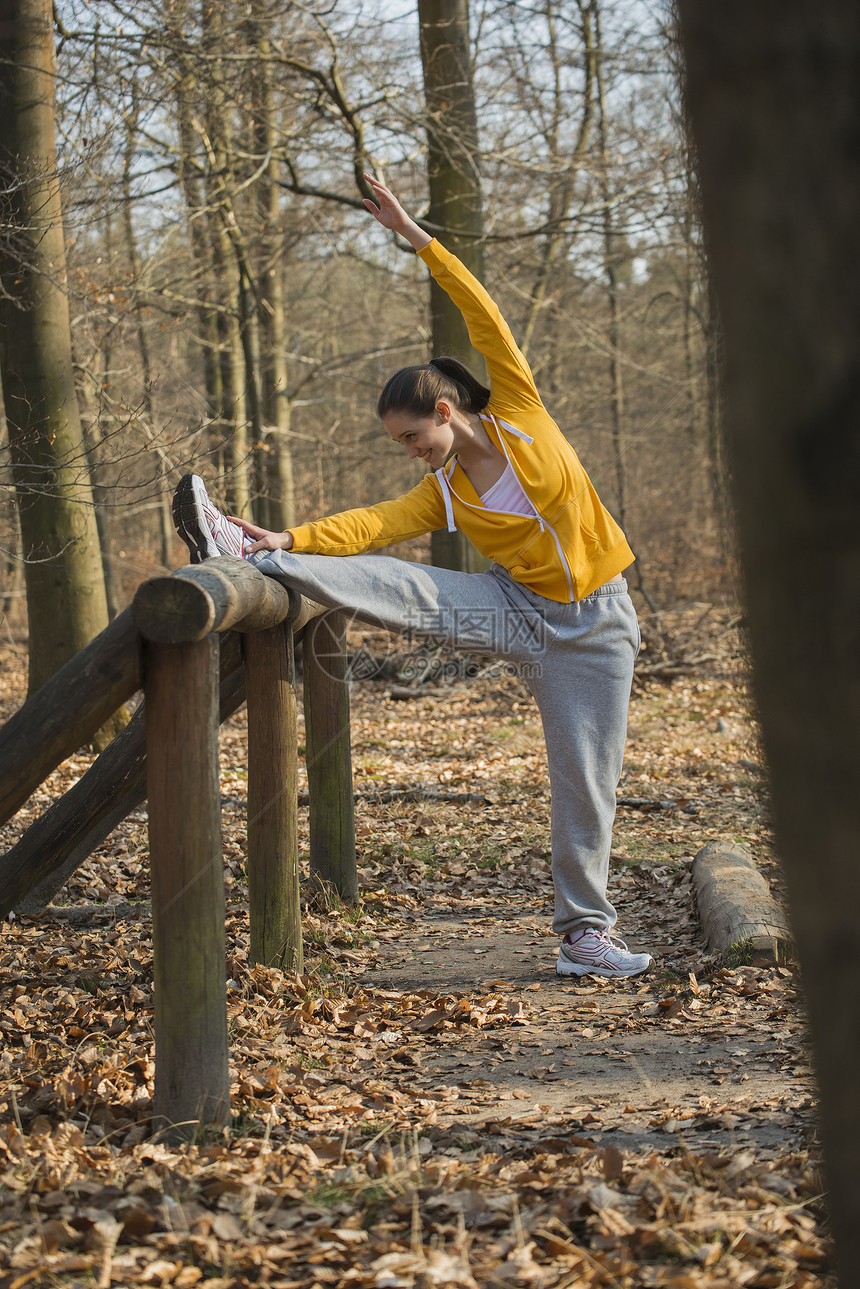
446	494
497	421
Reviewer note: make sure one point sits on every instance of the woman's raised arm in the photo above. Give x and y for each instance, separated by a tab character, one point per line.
510	375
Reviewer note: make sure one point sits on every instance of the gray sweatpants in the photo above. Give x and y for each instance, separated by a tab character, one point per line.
577	659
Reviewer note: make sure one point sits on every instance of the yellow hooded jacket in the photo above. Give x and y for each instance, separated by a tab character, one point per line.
564	552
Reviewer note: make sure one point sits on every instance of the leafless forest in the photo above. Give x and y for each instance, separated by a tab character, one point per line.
234	308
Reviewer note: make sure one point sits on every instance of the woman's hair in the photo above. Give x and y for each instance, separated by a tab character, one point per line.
418	389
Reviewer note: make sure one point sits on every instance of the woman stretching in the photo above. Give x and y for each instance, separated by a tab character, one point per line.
554	601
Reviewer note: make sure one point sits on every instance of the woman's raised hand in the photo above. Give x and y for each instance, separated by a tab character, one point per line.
390	214
263	539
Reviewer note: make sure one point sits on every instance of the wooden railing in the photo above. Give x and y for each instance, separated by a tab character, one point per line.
198	643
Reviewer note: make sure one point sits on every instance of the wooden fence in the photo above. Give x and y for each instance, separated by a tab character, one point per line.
198	643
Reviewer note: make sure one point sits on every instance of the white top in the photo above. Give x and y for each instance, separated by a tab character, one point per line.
508	494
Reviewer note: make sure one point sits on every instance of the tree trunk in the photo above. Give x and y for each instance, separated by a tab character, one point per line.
161	466
774	97
94	438
455	196
232	332
13	578
561	193
279	511
713	421
94	441
195	203
610	270
65	585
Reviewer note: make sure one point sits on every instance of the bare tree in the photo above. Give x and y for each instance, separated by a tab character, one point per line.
65	585
279	497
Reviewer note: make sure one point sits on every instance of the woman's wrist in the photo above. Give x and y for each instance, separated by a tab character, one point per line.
414	234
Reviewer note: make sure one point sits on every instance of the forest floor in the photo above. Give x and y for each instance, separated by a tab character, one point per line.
428	1104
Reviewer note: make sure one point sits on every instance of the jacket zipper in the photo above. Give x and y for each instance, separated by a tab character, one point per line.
544	525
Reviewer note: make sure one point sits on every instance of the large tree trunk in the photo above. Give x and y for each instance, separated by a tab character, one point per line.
455	195
65	586
774	96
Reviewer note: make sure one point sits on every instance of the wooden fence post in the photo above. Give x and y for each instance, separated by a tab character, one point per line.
273	851
329	759
191	1051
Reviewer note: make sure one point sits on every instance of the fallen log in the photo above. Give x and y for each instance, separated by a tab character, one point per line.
646	803
735	904
95	914
418	794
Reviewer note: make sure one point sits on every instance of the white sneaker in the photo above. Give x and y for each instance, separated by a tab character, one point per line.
599	953
205	531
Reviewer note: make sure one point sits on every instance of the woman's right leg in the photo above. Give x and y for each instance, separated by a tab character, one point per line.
477	612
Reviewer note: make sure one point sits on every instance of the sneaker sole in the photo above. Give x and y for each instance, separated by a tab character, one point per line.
186	519
564	967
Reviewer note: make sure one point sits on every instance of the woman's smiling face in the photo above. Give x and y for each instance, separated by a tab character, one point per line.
428	437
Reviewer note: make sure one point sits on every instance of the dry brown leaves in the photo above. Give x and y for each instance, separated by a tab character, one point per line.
418	1134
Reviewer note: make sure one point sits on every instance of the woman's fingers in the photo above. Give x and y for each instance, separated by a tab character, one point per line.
253	530
375	210
383	213
376	184
264	540
383	194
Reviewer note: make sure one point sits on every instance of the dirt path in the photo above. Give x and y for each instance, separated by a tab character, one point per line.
698	1054
643	1065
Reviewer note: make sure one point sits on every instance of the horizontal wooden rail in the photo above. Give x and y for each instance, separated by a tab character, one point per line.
67	711
59	841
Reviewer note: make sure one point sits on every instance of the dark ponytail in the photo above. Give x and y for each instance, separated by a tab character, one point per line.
418	389
477	396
